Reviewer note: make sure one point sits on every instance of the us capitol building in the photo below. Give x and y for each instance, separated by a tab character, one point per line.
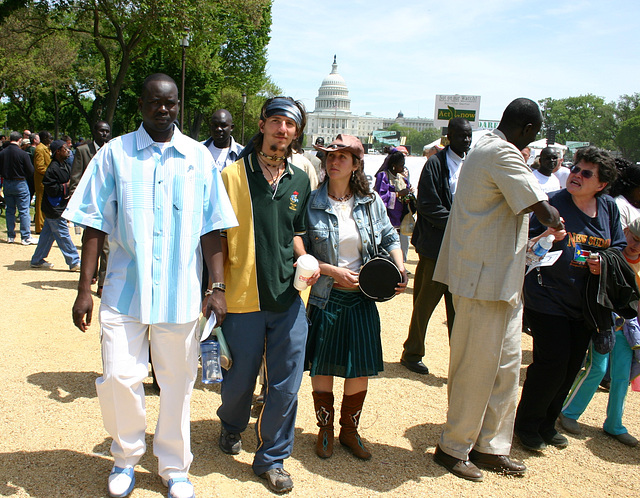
332	114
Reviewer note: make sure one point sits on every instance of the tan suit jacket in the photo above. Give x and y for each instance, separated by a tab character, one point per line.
484	246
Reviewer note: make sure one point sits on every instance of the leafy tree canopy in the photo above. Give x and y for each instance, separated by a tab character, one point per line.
106	47
416	139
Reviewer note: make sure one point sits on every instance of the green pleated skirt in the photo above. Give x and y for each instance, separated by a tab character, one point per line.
344	338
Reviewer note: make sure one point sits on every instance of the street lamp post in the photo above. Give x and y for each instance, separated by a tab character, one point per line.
244	103
184	43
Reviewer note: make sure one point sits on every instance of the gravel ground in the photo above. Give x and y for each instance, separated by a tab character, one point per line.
54	443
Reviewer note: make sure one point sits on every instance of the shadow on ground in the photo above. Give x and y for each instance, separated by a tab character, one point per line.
389	468
49	285
396	370
386	471
66	387
44	474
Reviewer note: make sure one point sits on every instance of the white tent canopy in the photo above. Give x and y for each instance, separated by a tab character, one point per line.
542	144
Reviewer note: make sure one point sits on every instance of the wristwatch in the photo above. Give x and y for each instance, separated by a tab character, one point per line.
214	286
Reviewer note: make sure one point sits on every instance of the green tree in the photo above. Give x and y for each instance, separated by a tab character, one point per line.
115	37
414	138
586	118
628	133
627	106
628	138
33	77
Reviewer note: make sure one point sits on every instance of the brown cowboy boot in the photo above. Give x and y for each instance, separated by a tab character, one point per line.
349	419
323	403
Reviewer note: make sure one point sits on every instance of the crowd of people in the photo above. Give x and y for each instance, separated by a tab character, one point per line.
174	228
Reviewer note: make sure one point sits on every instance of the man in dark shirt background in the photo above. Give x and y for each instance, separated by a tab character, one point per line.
15	168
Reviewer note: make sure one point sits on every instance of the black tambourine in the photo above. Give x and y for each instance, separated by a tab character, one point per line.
379	276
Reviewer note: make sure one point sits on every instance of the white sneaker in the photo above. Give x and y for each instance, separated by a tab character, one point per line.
29	241
11	240
179	487
121	481
44	264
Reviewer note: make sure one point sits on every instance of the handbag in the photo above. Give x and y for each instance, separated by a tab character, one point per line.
407	224
379	276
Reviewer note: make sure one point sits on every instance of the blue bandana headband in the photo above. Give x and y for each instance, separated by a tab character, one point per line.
281	106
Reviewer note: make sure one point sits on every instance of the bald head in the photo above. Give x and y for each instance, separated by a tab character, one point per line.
548	160
521	122
156	78
459	134
220	127
159	105
101	132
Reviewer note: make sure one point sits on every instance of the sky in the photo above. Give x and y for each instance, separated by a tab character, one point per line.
397	57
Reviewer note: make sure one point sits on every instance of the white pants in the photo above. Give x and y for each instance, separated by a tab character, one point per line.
125	362
484	369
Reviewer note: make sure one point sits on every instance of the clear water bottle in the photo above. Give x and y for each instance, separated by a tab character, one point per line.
540	249
210	356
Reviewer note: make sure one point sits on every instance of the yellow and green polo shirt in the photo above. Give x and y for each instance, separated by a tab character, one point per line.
259	265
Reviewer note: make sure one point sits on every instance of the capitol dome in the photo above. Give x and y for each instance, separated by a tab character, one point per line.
333	94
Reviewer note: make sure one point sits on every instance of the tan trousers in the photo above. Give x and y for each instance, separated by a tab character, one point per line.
38	217
484	369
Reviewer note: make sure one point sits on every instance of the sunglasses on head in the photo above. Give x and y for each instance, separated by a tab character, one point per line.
586	173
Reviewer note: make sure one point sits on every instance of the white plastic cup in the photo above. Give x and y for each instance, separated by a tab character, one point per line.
306	267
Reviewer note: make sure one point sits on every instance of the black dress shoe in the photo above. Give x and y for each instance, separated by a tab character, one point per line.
557	440
532	442
415	366
460	468
497	463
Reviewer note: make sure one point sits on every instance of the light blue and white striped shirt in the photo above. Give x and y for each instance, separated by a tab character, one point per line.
155	206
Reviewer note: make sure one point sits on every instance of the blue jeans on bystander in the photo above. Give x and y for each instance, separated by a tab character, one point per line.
58	230
16	195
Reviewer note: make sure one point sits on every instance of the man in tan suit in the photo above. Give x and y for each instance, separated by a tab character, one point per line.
482	260
41	160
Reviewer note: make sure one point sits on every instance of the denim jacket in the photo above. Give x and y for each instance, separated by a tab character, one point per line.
322	238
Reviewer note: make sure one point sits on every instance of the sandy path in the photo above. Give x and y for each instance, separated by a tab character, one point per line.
53	442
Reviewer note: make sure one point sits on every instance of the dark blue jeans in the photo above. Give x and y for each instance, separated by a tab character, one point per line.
16	195
281	338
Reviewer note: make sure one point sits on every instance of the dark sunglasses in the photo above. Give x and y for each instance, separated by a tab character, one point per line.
586	173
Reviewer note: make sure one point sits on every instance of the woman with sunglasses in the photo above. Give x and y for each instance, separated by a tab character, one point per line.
554	295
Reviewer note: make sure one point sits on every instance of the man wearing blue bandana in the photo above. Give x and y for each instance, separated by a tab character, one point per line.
266	317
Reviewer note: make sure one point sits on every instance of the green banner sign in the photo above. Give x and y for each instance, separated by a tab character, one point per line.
450	113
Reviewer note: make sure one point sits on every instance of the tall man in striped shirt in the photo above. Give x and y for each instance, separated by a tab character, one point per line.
162	203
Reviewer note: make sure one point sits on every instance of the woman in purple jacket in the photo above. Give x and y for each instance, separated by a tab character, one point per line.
394	189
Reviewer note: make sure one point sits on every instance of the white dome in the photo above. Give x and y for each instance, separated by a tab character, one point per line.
334	79
333	94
